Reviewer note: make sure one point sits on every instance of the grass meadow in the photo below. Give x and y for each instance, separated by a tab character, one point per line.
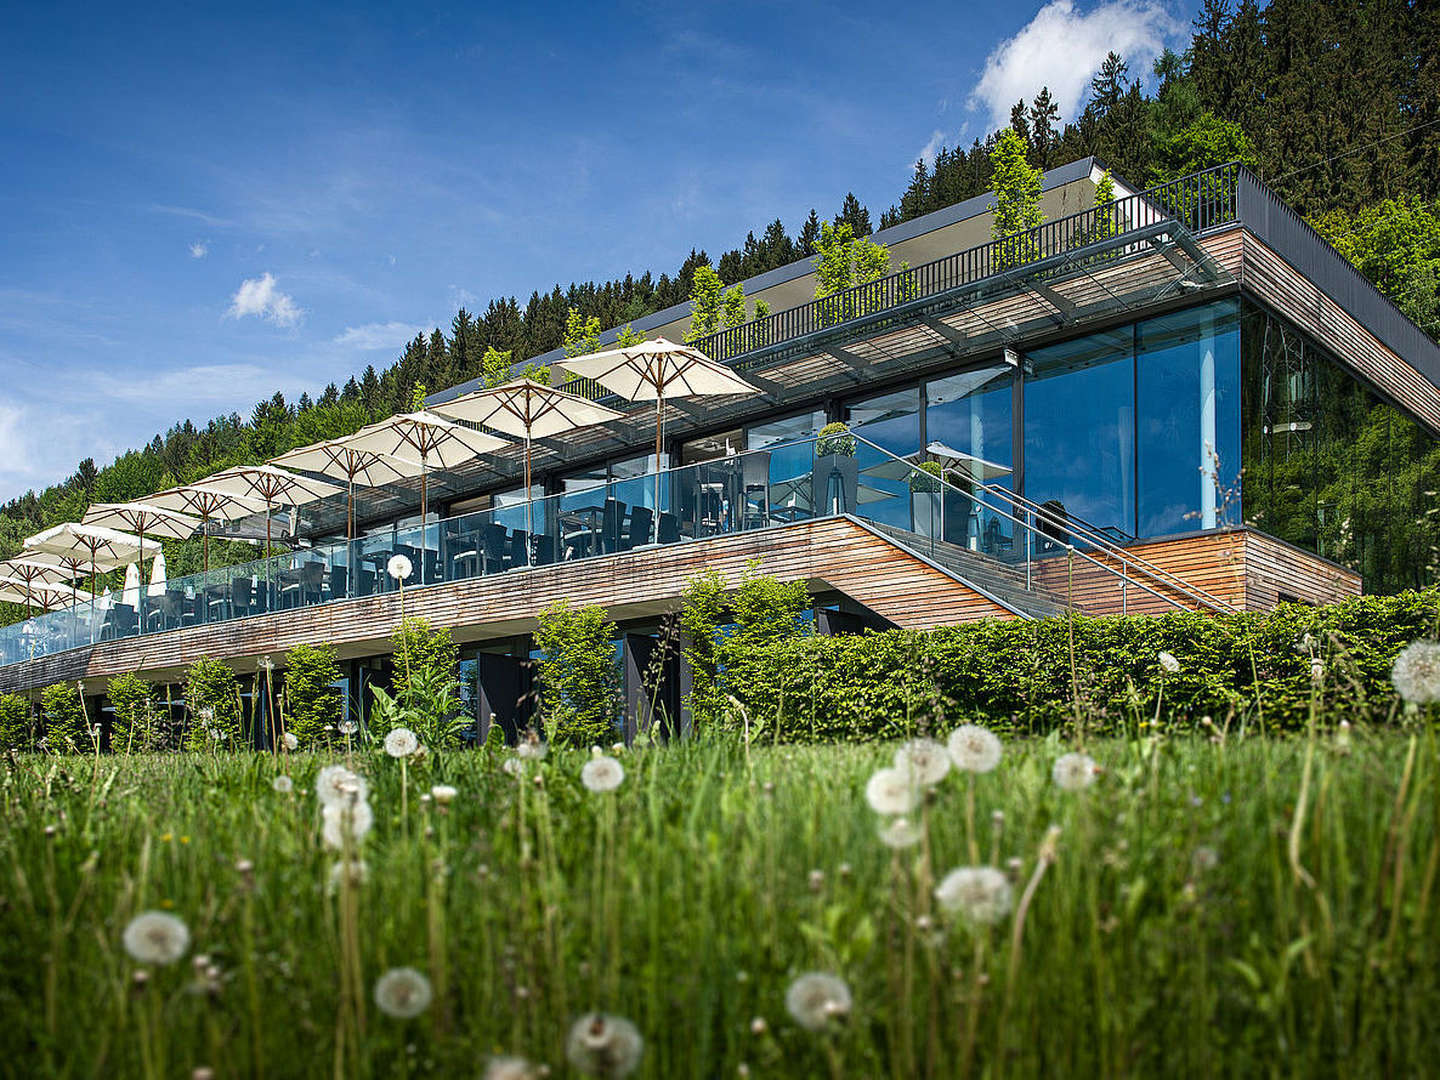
1233	907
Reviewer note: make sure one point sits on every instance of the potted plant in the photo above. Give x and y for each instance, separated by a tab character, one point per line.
835	474
925	489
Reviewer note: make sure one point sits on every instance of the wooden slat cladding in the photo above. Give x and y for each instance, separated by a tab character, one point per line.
1246	569
1273	280
834	554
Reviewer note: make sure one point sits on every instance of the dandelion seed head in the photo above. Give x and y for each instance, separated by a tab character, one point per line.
926	760
974	749
899	833
399	567
891	791
513	766
336	785
348	727
1168	662
530	748
283	784
443	794
604	1045
290	741
1204	858
402	742
403	993
1074	772
509	1068
979	894
155	937
352	872
602	773
1416	673
352	819
816	998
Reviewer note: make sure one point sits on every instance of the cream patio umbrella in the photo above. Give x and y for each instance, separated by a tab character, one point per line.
432	440
47	596
105	548
351	464
205	503
271	486
653	371
530	410
144	520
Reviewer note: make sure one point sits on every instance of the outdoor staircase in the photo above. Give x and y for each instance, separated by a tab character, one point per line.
983	573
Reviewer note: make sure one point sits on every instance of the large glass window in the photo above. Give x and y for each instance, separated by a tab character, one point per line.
1332	468
1188	429
1080	429
892	423
968	420
789	466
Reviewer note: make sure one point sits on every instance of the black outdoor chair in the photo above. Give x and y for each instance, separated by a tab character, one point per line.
519	548
544	549
669	529
611	520
493	551
642	521
755	489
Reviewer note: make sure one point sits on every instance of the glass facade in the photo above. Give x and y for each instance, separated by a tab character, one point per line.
1332	468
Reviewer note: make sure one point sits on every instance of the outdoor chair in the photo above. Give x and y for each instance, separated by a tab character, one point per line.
243	597
544	549
493	552
611	519
339	582
120	621
755	490
642	522
519	548
669	529
164	611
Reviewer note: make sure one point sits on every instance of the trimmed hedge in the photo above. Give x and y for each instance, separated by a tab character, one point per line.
1252	668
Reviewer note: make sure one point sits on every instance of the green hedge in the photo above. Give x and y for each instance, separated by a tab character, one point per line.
1245	669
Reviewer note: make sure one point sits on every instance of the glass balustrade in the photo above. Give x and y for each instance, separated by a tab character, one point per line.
780	485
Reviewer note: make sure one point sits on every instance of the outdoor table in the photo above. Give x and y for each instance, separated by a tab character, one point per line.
585	522
381	561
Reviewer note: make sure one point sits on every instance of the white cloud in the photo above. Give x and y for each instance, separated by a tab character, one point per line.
199	249
930	149
1062	48
13	449
260	297
390	335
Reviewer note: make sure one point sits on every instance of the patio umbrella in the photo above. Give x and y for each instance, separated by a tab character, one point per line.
144	520
205	503
434	441
105	548
530	410
18	590
656	370
351	464
271	486
157	576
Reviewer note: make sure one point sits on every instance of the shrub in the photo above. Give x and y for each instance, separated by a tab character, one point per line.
926	478
16	730
212	698
579	678
420	649
310	704
702	612
835	439
137	723
1252	668
64	716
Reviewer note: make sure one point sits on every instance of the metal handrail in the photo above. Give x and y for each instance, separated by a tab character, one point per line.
1030	530
1077	526
1198	201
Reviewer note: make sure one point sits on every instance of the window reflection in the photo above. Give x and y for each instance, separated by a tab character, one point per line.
1188	404
968	421
1080	430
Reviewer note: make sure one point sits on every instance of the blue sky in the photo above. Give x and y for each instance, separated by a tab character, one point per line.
201	205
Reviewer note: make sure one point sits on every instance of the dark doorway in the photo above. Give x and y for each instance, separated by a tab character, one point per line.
505	695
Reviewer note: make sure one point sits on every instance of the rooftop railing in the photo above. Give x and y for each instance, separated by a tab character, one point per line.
1007	556
1196	202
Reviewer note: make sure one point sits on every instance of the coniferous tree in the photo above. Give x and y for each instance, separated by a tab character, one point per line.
854	215
1019	122
1044	116
810	235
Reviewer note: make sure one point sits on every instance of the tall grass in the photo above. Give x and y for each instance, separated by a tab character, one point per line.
1211	908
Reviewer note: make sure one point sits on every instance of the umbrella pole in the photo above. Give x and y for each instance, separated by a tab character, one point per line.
92	596
205	543
267	554
140	573
424	521
529	519
659	442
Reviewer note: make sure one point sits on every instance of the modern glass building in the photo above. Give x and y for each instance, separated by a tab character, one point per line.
1184	399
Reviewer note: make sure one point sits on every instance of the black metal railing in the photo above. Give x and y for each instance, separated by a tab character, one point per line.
1200	201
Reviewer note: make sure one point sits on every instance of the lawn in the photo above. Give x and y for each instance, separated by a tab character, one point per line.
1256	906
